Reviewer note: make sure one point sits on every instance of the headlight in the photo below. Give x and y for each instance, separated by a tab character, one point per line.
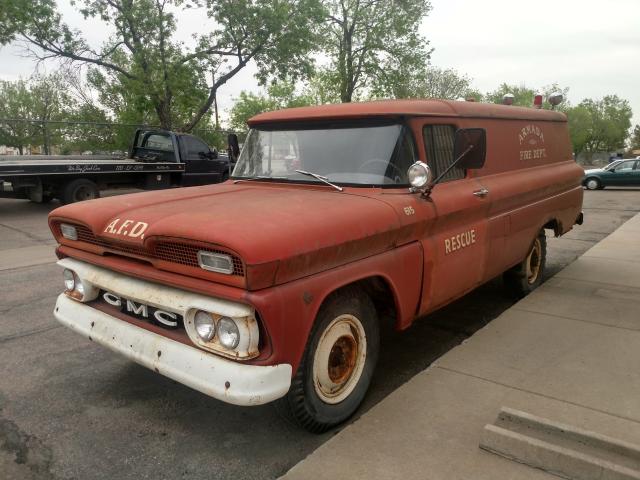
68	231
215	262
77	289
419	175
205	326
69	279
228	333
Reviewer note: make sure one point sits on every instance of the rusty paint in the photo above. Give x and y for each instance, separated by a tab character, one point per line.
313	239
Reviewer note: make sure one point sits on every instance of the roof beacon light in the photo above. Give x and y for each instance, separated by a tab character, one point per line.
555	99
508	99
537	101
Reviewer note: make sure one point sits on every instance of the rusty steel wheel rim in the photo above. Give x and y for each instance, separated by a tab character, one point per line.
339	359
534	262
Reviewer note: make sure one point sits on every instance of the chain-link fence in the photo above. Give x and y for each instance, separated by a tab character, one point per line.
56	137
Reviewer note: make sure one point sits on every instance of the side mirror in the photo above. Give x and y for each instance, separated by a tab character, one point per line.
234	146
473	141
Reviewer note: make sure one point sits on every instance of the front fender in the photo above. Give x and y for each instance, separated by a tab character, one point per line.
288	311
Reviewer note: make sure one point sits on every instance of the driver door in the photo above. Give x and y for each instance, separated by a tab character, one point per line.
200	168
623	174
455	249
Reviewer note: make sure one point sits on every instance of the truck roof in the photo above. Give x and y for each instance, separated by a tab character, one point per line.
395	108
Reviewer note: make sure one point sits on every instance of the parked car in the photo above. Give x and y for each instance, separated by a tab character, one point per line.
619	173
337	220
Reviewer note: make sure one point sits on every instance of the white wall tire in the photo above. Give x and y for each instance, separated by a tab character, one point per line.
336	369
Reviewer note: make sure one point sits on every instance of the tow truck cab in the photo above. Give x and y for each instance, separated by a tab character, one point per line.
272	286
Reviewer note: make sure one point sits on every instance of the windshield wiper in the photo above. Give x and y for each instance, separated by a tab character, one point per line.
321	178
258	177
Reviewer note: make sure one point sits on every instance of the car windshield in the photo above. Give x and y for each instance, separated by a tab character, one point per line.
375	155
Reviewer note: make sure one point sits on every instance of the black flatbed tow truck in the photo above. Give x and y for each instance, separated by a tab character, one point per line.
157	159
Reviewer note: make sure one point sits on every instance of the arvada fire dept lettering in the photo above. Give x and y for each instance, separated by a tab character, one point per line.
461	240
127	228
532	136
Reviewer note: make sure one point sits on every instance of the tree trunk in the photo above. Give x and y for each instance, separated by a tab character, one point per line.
215	110
45	134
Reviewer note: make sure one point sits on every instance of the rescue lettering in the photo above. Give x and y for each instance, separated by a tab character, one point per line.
127	228
461	240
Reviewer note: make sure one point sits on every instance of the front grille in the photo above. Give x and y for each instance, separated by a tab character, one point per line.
175	252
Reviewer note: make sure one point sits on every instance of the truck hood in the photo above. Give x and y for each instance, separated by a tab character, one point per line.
281	232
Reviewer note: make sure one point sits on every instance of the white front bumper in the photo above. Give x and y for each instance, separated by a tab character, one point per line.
226	380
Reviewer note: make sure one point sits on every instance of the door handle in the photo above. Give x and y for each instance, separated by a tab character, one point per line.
481	193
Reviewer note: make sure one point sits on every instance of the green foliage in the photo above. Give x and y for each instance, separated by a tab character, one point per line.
143	72
372	46
523	95
39	100
600	125
279	95
433	82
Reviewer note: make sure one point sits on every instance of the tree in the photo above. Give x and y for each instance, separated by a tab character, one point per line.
279	95
600	125
634	143
523	95
29	106
15	101
145	64
372	44
433	82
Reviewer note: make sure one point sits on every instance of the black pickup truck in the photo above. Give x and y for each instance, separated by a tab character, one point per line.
157	159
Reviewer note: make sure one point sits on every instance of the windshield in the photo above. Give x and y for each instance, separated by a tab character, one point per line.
369	155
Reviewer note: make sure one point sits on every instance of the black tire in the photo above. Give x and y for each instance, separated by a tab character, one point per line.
225	176
593	183
527	275
308	404
79	190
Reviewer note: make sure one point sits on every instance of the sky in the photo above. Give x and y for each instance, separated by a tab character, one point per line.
592	47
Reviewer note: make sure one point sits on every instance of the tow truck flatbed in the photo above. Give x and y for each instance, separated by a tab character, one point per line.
157	159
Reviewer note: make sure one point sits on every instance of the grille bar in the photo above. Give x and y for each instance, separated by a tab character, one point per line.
175	252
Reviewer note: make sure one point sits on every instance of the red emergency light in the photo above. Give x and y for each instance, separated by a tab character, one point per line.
537	101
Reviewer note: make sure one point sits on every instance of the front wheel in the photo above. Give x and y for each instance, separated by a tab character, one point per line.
593	184
337	365
527	275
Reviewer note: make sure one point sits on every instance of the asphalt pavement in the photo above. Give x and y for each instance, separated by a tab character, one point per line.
70	409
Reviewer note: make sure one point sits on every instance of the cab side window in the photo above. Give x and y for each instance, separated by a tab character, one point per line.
194	147
438	143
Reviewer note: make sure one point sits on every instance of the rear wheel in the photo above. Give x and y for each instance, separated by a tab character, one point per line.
337	365
593	184
527	275
79	190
